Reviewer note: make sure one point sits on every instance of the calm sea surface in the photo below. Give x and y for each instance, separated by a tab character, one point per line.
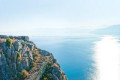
79	57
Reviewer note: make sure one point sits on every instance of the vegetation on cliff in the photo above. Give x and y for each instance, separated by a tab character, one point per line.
22	60
8	42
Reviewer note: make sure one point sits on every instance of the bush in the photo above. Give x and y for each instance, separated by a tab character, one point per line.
8	42
63	73
33	64
37	59
19	58
24	74
45	78
36	54
24	43
18	54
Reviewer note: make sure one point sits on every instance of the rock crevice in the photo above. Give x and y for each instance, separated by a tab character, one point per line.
20	59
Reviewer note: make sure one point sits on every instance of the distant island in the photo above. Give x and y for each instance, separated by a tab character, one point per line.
21	59
112	30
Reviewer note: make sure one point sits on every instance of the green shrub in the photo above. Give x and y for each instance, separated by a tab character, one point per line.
8	42
15	77
45	78
33	64
36	54
58	65
18	54
19	58
63	73
23	43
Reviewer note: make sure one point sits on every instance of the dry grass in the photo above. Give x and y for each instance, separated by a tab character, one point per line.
24	74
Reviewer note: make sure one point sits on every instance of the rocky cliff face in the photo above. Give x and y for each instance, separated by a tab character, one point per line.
20	59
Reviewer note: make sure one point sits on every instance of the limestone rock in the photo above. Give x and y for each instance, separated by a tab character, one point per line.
24	55
25	64
8	53
45	53
29	53
17	45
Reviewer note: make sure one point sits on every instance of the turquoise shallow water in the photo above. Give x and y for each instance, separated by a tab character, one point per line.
74	54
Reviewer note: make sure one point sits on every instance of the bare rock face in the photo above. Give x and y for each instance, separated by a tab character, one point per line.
17	45
14	56
43	52
8	53
3	36
25	64
31	46
22	60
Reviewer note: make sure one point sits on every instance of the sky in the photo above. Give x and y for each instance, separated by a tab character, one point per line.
56	17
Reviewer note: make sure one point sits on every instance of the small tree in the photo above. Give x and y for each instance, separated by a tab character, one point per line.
8	42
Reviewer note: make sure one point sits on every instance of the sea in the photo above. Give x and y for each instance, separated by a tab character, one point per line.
85	57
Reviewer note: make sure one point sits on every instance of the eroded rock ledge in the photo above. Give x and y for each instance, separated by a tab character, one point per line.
20	59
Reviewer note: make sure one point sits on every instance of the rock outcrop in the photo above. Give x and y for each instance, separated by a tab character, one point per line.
20	59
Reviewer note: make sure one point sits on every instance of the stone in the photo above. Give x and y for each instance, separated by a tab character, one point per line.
30	56
25	64
8	53
4	47
1	51
24	49
14	56
25	38
12	49
45	53
25	55
18	56
55	77
3	36
17	45
31	46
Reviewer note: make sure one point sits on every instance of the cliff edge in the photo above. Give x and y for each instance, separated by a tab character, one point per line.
20	59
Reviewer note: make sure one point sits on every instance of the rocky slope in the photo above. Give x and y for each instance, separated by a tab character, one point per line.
20	59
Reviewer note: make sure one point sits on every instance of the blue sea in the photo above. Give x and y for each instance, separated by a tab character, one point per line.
79	57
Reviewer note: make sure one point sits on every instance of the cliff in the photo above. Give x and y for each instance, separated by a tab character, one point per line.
20	59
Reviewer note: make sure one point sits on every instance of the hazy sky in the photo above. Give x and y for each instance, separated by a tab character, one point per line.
50	17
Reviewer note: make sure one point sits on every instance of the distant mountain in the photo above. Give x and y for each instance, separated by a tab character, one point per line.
112	30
